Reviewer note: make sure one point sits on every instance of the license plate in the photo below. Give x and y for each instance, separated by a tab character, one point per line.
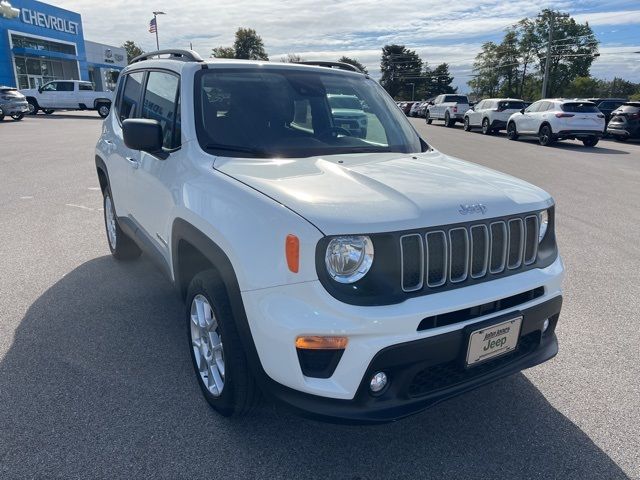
493	341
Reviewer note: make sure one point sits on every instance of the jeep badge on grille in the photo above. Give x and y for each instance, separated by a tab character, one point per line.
474	208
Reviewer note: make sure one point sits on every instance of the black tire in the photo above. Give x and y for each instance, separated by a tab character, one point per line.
1	115
427	118
545	136
17	116
512	131
466	125
447	120
123	248
486	127
103	109
240	394
48	111
590	141
33	106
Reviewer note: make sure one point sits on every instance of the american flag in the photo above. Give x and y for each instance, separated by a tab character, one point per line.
152	25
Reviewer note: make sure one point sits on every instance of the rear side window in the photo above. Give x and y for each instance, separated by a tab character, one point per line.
579	107
65	87
161	103
535	107
130	95
86	86
510	105
455	98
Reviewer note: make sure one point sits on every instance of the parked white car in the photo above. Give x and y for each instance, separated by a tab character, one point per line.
558	119
450	108
491	115
351	278
67	95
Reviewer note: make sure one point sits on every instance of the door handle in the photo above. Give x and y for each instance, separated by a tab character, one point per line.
133	162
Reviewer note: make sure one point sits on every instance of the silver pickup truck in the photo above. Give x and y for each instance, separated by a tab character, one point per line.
67	95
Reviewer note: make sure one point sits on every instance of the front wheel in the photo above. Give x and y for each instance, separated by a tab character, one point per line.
121	246
17	116
590	141
545	137
217	354
512	132
467	126
427	118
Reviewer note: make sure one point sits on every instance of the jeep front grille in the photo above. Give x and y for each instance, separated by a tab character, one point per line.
459	255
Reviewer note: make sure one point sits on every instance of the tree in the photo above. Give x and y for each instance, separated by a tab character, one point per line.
248	45
291	58
487	78
132	49
354	62
440	81
583	87
400	68
224	52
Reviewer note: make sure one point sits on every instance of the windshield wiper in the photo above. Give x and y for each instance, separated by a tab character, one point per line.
236	148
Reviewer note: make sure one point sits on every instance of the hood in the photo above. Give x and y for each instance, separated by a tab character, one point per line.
384	192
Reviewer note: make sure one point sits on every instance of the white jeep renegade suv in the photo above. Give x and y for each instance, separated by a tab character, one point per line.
353	277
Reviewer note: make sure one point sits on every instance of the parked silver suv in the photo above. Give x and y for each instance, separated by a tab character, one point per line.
12	103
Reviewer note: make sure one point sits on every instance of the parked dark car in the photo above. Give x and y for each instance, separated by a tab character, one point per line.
406	107
607	105
625	122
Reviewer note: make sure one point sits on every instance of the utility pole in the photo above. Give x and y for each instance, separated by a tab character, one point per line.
413	90
547	63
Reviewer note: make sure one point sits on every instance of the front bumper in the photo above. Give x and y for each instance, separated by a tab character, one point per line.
14	108
425	372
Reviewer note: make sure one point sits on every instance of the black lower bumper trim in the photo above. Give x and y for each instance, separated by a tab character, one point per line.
404	362
579	133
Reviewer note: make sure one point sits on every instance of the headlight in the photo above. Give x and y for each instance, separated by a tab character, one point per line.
348	259
544	223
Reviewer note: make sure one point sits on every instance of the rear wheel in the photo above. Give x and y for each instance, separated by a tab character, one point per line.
121	246
545	137
17	116
33	106
217	354
48	111
590	141
467	127
1	115
512	132
103	110
447	120
486	128
427	118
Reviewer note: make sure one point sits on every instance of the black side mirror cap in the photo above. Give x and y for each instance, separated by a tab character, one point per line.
522	110
142	134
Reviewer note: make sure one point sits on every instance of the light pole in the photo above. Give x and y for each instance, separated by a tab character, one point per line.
155	18
413	89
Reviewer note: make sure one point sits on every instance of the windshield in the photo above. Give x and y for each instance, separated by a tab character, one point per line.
281	112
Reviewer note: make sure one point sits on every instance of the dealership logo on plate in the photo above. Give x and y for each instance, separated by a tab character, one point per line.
7	11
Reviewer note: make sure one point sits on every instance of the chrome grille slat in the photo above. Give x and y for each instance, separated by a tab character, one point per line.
517	242
463	254
431	253
407	286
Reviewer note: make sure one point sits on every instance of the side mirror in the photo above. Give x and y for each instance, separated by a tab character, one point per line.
39	89
142	134
522	110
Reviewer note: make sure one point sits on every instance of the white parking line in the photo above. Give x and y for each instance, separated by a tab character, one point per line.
79	206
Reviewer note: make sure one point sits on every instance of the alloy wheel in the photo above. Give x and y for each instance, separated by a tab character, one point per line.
206	342
110	220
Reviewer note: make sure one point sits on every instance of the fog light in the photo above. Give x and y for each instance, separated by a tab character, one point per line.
545	325
378	382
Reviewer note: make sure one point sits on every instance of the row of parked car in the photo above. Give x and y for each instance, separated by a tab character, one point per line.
549	119
52	96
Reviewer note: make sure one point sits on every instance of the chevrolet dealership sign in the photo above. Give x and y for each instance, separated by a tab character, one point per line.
33	17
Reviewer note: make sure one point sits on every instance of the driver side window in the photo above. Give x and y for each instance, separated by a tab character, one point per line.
50	87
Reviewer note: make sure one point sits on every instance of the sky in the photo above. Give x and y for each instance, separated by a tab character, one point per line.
439	30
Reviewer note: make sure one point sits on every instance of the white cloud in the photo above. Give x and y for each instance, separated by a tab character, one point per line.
439	30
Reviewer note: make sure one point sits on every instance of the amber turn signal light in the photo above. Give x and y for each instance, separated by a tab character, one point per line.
292	251
313	342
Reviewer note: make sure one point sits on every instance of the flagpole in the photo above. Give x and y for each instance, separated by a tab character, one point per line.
155	18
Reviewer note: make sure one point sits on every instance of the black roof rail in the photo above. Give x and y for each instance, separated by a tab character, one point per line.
174	54
338	65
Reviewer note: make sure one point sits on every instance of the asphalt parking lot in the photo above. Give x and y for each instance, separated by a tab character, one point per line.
96	380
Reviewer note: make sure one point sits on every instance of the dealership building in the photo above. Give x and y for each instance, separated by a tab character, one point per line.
40	42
